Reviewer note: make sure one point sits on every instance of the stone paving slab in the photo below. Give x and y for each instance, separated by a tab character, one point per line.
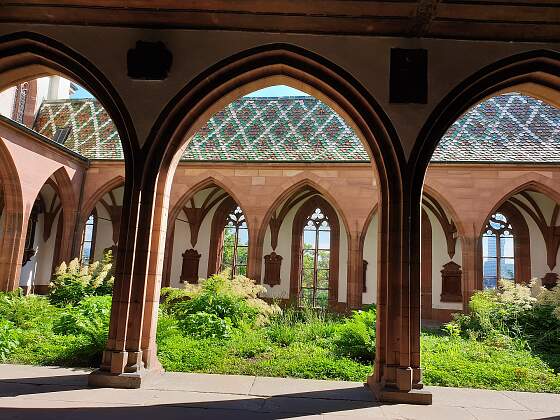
44	393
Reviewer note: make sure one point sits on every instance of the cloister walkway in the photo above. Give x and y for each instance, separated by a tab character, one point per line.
30	392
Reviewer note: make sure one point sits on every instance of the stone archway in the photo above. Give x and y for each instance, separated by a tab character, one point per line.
14	222
534	73
27	55
131	343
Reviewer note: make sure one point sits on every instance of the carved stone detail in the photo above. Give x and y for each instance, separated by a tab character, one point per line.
272	265
451	283
364	278
189	271
550	280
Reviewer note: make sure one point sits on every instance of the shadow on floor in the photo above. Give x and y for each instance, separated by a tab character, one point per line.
40	385
204	406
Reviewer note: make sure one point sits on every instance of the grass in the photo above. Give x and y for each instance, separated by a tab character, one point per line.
293	345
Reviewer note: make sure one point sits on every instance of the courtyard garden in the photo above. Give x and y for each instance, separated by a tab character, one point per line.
509	340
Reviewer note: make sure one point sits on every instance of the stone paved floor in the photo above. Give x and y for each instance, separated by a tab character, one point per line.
45	393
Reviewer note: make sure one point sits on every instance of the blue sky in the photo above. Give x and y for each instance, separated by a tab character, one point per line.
279	90
81	93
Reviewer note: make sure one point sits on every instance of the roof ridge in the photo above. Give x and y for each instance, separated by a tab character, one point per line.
51	101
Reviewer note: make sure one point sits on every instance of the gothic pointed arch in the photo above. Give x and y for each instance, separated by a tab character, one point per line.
300	280
13	210
398	346
228	216
505	238
291	196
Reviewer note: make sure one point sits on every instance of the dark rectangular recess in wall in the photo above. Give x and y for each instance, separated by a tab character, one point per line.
408	81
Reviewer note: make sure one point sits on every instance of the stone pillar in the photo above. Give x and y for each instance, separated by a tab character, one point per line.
470	268
12	247
255	257
130	354
397	376
354	277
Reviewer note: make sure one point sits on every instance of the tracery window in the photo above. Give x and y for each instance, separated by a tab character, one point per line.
88	239
235	243
29	250
315	266
498	251
20	99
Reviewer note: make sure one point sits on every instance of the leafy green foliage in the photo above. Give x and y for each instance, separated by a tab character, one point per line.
8	339
514	312
355	338
205	325
72	283
465	362
26	312
234	301
496	346
90	319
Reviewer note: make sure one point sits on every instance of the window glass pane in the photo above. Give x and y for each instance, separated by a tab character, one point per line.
309	239
307	278
227	256
500	217
89	232
243	238
241	255
308	258
241	270
507	268
489	267
324	239
323	279
489	283
323	259
506	246
306	297
86	252
322	298
489	246
229	236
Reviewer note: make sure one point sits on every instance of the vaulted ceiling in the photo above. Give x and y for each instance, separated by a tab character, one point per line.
519	20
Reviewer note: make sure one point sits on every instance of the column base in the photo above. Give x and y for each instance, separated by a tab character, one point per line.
383	393
103	379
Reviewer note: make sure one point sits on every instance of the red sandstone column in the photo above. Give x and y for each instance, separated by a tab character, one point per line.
397	376
354	280
470	268
254	261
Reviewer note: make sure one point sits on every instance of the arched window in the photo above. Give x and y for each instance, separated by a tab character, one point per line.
229	240
498	251
29	250
235	244
88	239
315	255
315	249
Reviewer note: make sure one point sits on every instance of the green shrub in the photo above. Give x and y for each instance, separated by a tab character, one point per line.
72	283
167	326
513	313
170	296
355	338
27	312
8	339
281	334
234	301
205	325
90	318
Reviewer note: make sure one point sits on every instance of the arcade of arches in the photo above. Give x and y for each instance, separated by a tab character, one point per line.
298	193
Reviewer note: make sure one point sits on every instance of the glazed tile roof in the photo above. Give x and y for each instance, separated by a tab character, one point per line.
505	128
92	133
